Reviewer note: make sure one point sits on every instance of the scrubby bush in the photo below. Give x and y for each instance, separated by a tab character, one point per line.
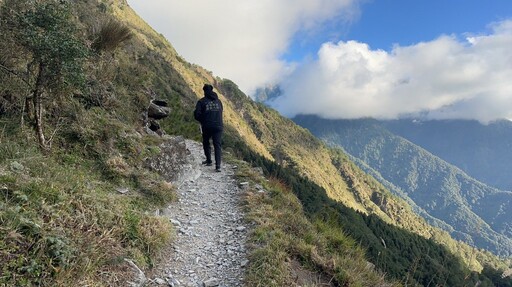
110	35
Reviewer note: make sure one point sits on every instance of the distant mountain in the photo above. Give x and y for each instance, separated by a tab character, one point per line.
267	93
482	151
476	213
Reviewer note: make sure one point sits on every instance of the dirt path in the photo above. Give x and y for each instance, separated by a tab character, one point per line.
209	249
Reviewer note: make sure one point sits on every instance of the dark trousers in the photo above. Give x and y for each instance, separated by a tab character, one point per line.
216	135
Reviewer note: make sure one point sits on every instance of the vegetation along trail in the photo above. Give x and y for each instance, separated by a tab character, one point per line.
209	248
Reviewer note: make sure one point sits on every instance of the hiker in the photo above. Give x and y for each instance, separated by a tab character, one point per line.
209	113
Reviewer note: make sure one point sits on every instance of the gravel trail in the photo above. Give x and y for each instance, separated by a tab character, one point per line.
209	249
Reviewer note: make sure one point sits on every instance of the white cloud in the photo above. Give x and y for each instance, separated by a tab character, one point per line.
444	78
239	39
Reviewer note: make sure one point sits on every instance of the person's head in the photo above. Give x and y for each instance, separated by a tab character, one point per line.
208	92
207	88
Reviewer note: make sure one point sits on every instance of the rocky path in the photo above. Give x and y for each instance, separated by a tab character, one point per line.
209	249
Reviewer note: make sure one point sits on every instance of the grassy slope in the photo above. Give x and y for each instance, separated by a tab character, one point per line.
63	221
289	244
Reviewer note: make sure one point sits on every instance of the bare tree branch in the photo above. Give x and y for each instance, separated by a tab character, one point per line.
3	67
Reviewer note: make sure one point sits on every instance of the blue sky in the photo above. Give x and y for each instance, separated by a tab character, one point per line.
384	23
352	58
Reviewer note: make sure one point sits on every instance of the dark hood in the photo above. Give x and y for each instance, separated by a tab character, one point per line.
211	95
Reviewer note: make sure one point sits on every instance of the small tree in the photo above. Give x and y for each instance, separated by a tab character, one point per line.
50	55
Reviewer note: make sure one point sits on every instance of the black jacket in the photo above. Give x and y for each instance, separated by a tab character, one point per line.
209	111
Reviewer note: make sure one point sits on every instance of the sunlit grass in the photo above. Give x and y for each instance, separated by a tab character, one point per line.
283	237
64	222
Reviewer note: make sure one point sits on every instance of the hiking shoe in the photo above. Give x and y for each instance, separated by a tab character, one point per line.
207	163
217	169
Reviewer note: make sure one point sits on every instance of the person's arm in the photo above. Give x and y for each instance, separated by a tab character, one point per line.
198	113
221	114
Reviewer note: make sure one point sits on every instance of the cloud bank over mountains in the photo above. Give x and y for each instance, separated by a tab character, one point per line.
445	78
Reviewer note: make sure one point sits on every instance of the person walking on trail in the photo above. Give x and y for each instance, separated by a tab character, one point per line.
209	113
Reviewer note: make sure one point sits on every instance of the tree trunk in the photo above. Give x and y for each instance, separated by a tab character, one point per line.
22	120
38	108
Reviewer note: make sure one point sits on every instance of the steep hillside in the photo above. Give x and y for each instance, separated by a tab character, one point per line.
80	140
392	249
483	151
439	189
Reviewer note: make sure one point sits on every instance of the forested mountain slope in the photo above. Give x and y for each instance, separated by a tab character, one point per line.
73	134
483	151
475	212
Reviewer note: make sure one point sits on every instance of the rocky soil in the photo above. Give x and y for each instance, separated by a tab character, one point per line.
209	248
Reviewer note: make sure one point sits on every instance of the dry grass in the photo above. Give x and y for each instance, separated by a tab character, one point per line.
110	35
118	166
290	250
64	224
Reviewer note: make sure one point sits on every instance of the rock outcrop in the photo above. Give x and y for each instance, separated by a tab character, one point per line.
157	110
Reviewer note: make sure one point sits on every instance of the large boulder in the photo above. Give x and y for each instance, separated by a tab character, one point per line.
158	109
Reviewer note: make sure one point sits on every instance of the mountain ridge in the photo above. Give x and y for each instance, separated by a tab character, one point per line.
407	166
453	140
